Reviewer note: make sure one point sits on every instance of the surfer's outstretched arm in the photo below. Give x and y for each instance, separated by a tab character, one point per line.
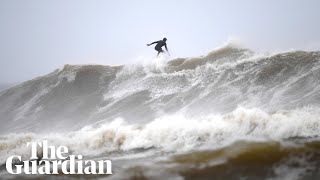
167	49
153	43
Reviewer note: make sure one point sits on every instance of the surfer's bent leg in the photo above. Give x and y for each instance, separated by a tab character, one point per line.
159	50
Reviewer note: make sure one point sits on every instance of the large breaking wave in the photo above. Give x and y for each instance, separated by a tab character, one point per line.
185	104
218	83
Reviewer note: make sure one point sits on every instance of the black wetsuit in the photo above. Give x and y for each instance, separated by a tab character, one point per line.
159	45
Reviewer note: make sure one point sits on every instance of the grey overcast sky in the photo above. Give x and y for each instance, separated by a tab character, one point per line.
38	36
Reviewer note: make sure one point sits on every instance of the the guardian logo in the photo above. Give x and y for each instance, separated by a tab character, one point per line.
55	162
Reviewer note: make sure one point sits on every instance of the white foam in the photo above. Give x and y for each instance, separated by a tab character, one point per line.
176	132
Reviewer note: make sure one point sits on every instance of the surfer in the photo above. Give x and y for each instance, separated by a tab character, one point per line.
159	46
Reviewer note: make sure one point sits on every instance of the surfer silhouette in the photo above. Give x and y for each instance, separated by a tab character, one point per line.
159	45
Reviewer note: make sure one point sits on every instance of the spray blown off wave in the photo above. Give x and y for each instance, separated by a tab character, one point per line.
188	107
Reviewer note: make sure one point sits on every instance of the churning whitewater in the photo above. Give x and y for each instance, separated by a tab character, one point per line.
192	117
